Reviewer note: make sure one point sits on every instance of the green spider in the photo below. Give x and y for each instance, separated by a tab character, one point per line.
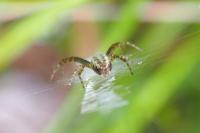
102	65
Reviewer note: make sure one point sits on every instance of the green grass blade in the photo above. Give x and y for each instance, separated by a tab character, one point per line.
159	88
126	25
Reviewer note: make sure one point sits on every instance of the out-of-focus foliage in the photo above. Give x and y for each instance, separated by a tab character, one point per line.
31	28
164	91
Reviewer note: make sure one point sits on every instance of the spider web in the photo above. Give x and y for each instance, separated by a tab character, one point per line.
100	92
100	95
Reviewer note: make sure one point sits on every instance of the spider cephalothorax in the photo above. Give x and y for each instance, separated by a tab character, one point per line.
102	64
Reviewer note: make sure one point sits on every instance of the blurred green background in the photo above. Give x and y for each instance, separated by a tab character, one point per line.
164	91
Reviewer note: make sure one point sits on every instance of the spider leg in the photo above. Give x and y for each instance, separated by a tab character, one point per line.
124	59
112	48
70	59
79	72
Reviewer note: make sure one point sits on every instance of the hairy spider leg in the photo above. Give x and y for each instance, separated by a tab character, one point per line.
71	59
124	59
110	51
79	72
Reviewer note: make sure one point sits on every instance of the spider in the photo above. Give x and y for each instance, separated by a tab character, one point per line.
101	65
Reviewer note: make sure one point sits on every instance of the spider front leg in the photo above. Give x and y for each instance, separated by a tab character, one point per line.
124	59
79	72
70	59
